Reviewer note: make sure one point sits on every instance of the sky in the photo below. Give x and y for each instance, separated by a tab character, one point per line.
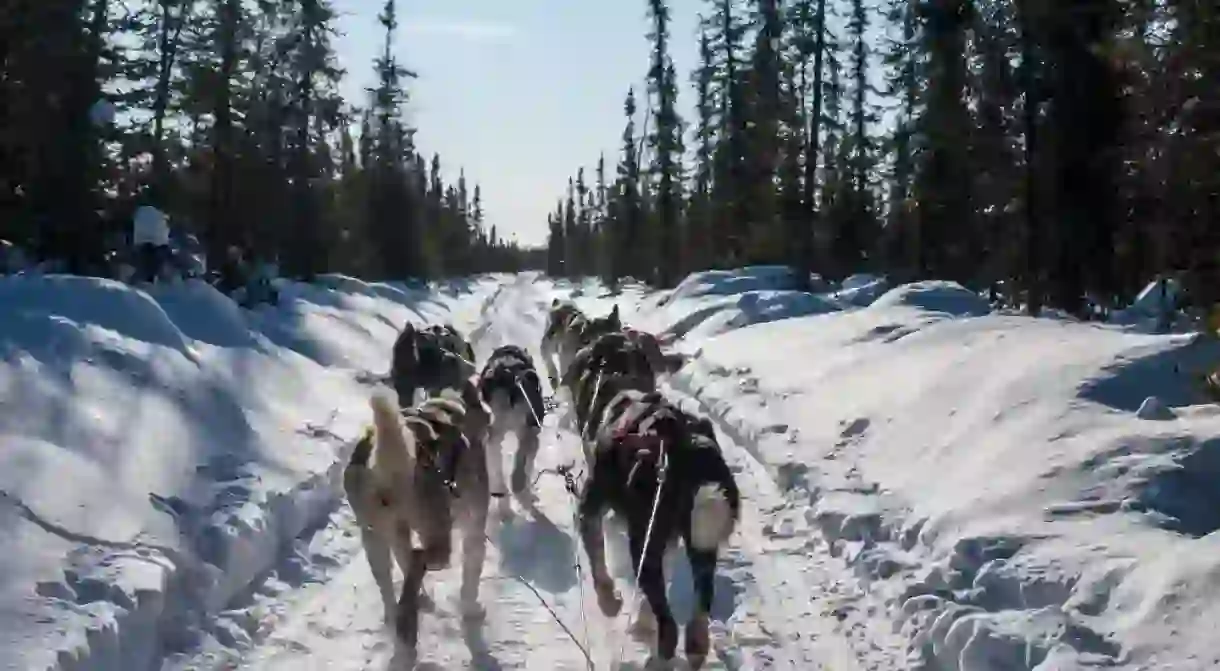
520	94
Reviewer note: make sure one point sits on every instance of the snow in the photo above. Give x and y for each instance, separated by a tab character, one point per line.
928	485
161	449
1010	492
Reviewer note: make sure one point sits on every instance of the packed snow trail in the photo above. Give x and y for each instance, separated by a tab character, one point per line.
770	611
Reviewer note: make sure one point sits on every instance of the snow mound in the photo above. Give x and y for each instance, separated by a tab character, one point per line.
737	281
56	313
161	450
712	302
860	290
1016	493
934	296
725	314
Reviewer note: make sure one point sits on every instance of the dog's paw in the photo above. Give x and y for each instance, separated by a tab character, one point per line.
698	641
644	627
609	600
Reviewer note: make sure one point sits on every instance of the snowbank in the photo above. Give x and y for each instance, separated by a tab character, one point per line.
162	450
860	290
1022	493
729	282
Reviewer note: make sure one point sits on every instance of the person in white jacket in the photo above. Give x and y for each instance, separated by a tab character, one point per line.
150	240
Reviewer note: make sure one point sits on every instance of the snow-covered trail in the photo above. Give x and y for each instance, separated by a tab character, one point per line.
772	611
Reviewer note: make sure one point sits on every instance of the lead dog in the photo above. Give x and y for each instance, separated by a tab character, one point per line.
509	384
698	502
567	331
421	477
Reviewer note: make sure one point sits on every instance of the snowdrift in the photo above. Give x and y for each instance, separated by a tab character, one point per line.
1019	493
163	450
712	302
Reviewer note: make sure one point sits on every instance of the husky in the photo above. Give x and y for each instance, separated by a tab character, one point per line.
567	331
428	358
421	477
659	467
611	363
509	384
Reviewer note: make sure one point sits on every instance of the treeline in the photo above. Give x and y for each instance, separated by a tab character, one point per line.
1060	153
229	119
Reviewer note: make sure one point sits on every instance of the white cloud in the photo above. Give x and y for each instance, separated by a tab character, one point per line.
462	29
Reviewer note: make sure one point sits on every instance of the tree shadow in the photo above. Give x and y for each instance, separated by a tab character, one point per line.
1154	370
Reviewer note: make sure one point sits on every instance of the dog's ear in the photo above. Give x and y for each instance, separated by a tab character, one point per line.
409	328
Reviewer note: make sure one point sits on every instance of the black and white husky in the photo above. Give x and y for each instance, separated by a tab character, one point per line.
423	476
660	468
509	384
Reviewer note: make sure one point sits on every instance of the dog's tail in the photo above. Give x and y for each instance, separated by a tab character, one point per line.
712	518
391	444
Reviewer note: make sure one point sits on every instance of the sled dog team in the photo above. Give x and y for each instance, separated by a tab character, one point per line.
428	469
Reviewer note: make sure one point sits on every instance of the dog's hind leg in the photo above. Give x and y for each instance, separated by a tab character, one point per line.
547	350
475	503
407	624
703	573
377	552
594	501
495	457
523	460
402	555
474	553
652	584
645	622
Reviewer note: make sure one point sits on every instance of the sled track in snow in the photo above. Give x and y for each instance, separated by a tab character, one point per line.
773	607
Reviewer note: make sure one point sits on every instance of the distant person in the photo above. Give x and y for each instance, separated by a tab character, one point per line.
150	240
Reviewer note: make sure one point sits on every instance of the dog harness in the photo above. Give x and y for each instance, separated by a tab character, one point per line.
635	426
511	369
437	423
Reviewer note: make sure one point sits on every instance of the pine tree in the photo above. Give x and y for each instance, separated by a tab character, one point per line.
666	145
628	210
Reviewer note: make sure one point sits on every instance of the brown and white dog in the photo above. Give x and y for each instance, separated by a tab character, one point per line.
567	331
660	469
421	477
